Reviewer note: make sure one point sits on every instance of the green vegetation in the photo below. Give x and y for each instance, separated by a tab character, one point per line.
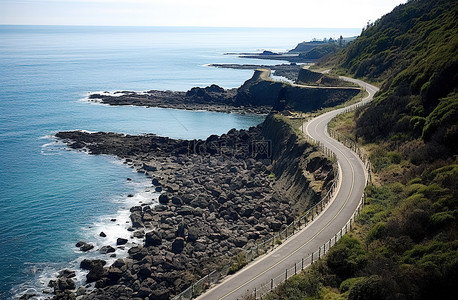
320	51
404	244
413	52
238	262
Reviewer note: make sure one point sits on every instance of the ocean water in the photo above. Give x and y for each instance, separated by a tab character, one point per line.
51	197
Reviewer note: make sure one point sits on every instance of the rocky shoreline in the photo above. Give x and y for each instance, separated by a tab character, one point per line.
218	196
211	98
258	95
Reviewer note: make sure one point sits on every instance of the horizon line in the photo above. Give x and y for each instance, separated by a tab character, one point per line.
177	26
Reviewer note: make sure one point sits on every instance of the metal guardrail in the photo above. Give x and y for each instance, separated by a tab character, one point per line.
263	246
310	259
298	266
269	244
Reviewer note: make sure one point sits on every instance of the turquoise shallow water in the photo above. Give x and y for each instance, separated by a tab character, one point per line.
52	197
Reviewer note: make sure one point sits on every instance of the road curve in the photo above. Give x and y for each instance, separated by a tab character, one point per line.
321	230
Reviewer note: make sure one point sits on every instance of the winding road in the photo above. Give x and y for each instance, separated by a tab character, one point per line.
322	229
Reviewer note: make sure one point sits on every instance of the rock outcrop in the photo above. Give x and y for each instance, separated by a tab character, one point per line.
303	175
262	90
211	98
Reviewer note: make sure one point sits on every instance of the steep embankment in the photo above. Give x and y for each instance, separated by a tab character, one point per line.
405	243
307	77
262	90
302	173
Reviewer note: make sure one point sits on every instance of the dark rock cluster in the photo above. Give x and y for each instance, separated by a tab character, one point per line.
216	197
211	98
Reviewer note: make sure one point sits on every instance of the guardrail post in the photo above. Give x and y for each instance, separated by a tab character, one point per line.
286	274
271	284
295	271
312	259
319	253
302	267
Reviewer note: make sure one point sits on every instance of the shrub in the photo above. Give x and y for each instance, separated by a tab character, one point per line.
238	262
376	232
346	257
370	288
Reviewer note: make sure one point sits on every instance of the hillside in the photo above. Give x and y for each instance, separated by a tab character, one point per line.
413	53
405	242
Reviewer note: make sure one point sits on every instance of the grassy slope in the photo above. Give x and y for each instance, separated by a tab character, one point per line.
405	243
413	53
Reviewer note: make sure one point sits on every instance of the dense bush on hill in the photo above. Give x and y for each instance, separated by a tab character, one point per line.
404	246
405	242
413	53
320	51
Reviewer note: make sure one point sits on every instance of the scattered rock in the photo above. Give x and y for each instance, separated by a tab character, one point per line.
153	239
84	246
107	249
121	241
67	273
27	296
87	264
81	291
178	245
163	199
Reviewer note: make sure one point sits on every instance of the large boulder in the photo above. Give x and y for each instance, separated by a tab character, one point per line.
163	199
107	249
84	246
67	273
96	273
63	284
153	238
114	274
87	264
178	245
121	241
136	219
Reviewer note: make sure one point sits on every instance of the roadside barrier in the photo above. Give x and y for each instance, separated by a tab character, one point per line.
269	244
264	246
305	262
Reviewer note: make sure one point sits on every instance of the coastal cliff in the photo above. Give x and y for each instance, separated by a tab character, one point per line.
303	175
259	95
262	90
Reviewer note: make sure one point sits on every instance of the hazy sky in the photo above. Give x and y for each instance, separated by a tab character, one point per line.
233	13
